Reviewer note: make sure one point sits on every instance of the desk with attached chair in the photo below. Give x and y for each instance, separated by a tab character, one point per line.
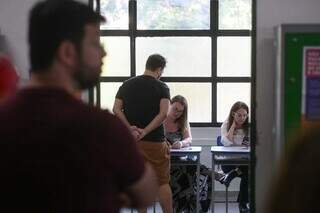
230	155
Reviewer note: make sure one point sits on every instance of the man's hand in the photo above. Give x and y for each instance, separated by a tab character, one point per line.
136	132
142	134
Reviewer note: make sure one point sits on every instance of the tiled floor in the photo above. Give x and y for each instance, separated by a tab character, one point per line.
220	206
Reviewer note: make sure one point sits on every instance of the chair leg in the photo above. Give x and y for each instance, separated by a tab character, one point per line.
227	199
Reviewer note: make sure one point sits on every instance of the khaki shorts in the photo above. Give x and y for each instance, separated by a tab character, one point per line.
158	155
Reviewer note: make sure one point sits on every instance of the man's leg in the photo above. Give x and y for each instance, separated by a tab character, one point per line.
165	198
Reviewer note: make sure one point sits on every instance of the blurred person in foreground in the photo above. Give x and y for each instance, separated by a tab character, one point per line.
58	154
296	187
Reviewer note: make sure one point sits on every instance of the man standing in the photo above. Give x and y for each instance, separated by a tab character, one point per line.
58	154
142	103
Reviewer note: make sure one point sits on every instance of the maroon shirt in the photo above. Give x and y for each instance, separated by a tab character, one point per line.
59	155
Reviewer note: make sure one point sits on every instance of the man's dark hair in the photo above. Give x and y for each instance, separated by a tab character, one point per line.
54	21
155	61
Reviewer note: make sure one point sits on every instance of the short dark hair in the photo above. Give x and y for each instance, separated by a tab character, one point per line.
52	22
156	61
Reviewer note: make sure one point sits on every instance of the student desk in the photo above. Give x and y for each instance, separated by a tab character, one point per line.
188	156
228	155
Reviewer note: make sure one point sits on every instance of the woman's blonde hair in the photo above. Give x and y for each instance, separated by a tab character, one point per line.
182	121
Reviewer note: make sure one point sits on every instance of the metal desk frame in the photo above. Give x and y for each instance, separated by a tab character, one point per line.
193	152
227	155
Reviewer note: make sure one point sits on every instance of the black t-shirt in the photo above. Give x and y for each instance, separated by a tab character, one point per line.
141	97
58	154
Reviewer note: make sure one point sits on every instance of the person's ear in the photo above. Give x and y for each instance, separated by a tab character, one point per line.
159	70
67	54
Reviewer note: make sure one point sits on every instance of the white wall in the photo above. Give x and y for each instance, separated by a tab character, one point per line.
271	13
13	24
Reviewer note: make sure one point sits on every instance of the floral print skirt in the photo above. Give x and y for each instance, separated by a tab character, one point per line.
184	188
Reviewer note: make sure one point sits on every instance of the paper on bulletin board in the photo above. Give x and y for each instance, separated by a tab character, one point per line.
310	105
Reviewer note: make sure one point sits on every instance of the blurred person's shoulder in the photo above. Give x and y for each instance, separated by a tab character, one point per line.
106	120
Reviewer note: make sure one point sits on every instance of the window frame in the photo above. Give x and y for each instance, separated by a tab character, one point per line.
212	33
215	32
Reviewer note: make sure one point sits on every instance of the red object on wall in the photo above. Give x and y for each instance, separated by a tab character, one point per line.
8	77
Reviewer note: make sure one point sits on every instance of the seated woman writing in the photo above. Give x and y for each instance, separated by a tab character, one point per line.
183	178
235	132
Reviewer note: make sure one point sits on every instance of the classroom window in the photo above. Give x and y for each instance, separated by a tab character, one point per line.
234	56
235	14
199	99
173	15
116	11
207	45
108	92
229	93
186	56
117	47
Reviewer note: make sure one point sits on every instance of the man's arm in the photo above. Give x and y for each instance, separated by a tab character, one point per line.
157	121
144	191
118	111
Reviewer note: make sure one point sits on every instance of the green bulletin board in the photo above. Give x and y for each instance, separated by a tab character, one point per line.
297	52
294	45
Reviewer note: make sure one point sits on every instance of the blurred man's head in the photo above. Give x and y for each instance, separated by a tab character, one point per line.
66	32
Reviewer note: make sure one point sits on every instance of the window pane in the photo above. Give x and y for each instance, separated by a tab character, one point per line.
116	13
108	94
95	96
235	14
95	8
186	56
228	94
173	14
199	99
234	56
117	61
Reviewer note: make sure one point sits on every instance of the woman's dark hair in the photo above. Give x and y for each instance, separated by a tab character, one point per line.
296	188
182	121
53	21
155	61
235	107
